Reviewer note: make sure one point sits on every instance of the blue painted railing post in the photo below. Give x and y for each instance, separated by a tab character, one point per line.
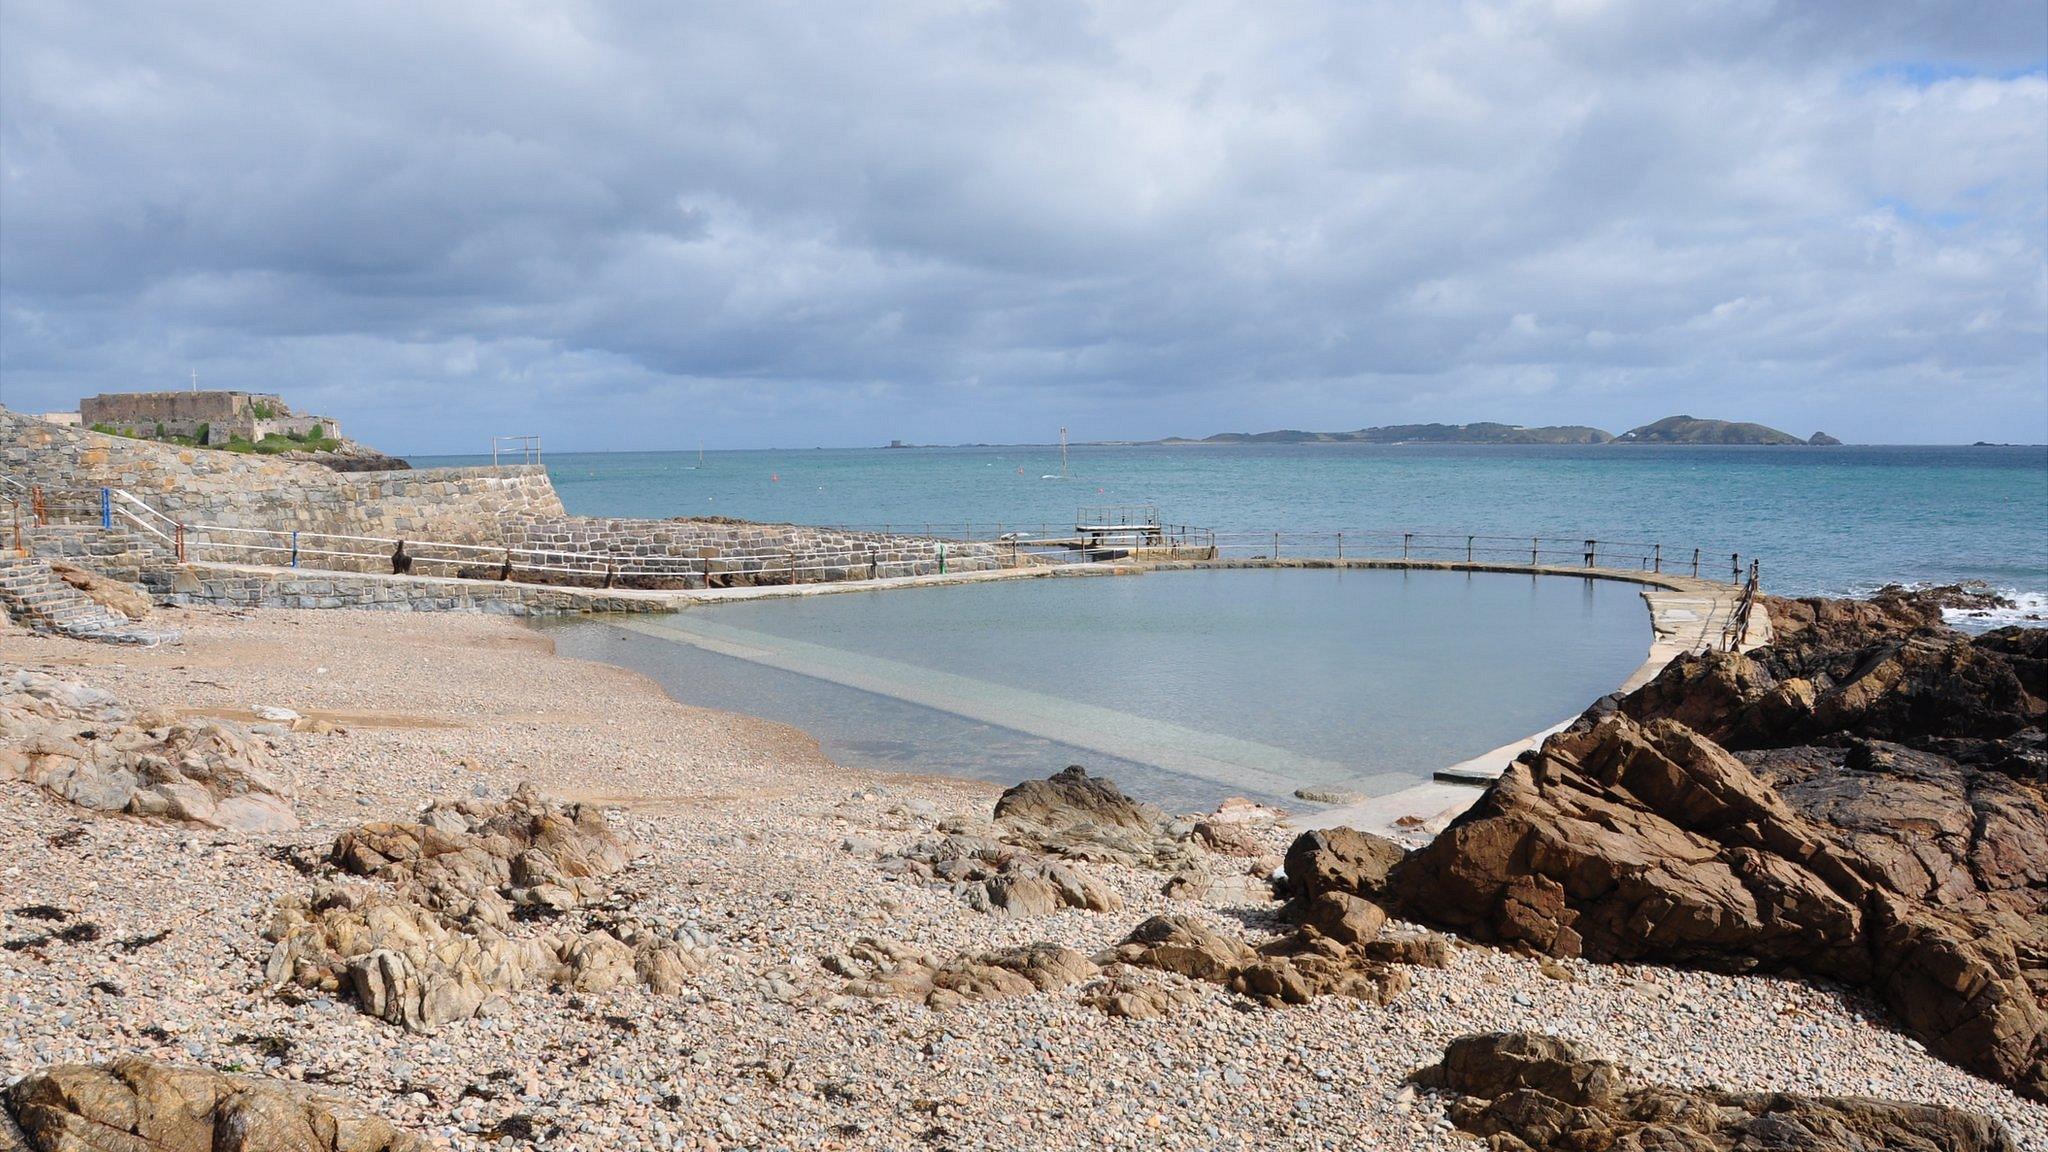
106	508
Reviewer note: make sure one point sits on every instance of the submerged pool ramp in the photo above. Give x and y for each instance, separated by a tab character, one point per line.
1686	615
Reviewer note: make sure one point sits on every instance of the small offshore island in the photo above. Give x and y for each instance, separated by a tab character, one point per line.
282	866
1670	430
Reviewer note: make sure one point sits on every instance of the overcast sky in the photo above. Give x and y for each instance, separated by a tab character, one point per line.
757	224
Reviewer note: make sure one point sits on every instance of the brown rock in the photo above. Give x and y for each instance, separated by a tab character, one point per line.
1885	825
881	968
1530	1093
1293	970
129	600
1128	995
82	745
439	946
1003	879
1081	817
137	1105
1340	860
1345	918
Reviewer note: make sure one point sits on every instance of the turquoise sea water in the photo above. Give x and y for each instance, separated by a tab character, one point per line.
1188	687
1823	520
1185	686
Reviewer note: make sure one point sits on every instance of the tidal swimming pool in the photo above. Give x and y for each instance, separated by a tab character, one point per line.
1186	687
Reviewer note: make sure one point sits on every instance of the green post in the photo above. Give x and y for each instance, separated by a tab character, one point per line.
942	558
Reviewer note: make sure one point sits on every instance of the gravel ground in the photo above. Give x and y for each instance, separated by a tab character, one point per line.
770	850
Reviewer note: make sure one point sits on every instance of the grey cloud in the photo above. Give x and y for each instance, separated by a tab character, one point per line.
829	223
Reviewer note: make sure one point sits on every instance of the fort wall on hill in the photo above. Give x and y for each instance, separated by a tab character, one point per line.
491	509
465	505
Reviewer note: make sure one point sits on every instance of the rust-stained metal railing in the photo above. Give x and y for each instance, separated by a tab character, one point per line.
1736	632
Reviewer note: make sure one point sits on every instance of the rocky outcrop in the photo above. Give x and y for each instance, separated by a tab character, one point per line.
1522	1092
1083	817
1023	863
1883	822
115	595
82	744
878	968
441	946
1001	879
1326	957
480	861
137	1105
1340	860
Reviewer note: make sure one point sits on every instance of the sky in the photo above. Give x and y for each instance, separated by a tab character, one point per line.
650	225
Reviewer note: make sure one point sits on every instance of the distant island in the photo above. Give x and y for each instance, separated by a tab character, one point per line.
1670	430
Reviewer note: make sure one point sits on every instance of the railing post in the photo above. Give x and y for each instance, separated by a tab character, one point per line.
1468	549
942	557
106	508
1276	545
295	548
1695	563
181	544
1405	536
1657	558
1735	566
1535	544
1340	547
1592	549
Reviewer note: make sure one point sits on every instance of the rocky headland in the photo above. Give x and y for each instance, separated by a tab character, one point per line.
1864	800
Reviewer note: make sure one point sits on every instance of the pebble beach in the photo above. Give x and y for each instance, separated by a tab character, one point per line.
130	936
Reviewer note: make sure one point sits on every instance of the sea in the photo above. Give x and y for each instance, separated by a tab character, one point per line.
1820	521
1188	687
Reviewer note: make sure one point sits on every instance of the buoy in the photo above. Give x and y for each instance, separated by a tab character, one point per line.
774	478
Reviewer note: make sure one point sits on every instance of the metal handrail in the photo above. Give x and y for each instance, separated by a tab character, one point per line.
1736	631
295	547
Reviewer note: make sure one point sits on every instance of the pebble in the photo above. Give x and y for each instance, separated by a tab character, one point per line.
746	829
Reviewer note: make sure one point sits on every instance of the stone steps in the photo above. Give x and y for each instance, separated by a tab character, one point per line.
35	597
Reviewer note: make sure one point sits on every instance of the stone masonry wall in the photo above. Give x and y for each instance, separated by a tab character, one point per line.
737	552
490	508
244	588
464	505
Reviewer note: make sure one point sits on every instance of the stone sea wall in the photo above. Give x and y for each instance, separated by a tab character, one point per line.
466	505
492	509
722	548
230	587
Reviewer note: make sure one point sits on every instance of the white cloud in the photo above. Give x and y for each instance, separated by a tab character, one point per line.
824	223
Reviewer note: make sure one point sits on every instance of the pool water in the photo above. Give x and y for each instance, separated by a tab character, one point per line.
1184	686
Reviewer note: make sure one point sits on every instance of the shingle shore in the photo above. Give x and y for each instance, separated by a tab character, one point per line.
771	851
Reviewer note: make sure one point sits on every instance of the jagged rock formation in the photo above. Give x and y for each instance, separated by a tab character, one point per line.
1083	817
877	968
138	1105
80	743
1328	956
1522	1092
129	600
440	946
1883	822
1001	879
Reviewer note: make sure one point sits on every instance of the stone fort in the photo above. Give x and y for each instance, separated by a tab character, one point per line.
221	416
